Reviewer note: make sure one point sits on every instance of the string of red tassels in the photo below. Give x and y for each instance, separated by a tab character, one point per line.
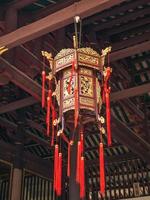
59	175
102	169
82	178
56	155
108	117
106	99
43	87
57	171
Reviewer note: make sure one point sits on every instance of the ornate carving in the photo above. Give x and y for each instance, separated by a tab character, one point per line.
57	91
88	51
63	53
65	87
86	86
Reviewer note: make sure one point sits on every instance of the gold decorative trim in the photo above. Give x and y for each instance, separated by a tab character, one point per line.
63	53
88	51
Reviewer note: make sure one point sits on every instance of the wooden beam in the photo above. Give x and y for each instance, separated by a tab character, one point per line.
130	41
31	162
59	19
130	51
131	92
122	19
21	79
113	159
28	134
115	96
116	10
128	138
17	104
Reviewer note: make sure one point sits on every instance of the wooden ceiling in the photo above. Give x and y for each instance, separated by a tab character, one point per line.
124	25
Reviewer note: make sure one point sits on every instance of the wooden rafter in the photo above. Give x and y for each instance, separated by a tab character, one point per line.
31	162
127	137
18	104
56	20
130	51
131	92
21	79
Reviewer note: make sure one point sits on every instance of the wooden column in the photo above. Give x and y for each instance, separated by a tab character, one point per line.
73	186
16	184
17	173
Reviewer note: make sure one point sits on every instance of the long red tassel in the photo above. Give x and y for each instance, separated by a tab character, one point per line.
43	88
53	127
102	169
55	168
78	162
59	180
71	76
108	117
68	162
48	111
81	139
76	111
82	179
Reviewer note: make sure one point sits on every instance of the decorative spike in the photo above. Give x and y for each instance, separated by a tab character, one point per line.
78	162
43	88
82	179
102	169
55	168
59	180
108	117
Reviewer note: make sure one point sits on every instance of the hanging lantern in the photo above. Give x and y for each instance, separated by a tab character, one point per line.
80	95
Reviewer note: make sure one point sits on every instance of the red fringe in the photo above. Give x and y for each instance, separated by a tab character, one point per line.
68	162
76	111
82	146
82	179
53	127
102	169
43	88
108	117
78	162
48	111
59	179
71	76
55	168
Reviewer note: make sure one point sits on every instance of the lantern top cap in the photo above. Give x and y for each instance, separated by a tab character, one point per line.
85	50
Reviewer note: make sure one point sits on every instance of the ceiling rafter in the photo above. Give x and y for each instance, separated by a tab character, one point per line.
116	10
54	21
130	92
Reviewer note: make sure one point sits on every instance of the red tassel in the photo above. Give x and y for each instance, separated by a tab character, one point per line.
59	175
108	117
82	147
76	111
82	179
43	88
55	168
53	127
78	162
68	164
48	111
102	169
71	76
